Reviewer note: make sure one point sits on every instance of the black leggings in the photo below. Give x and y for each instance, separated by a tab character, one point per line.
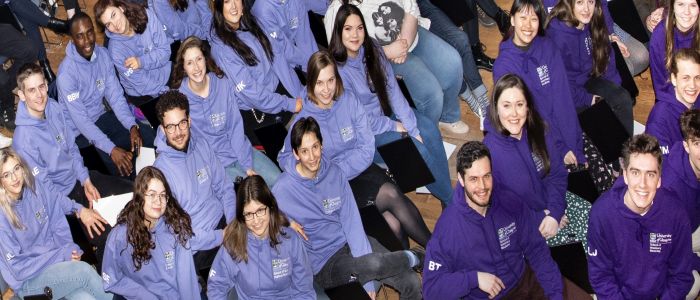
402	215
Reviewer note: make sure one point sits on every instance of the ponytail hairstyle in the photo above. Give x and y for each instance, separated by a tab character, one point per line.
178	72
230	36
375	74
600	37
534	125
7	204
670	29
134	13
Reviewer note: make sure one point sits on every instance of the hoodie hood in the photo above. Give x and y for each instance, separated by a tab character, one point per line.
309	183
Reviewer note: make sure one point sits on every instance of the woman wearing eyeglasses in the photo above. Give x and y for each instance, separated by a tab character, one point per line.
149	251
261	257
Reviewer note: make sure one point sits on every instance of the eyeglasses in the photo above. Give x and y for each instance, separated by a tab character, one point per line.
182	125
16	171
261	212
154	198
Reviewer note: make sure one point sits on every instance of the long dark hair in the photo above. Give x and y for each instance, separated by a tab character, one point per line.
230	36
375	74
138	235
671	25
534	124
524	5
253	188
178	72
134	13
600	37
178	5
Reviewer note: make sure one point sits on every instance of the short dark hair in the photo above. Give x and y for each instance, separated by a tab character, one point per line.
79	15
469	153
170	100
640	144
690	124
302	127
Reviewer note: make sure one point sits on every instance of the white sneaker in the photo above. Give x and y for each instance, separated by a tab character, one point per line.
5	141
458	127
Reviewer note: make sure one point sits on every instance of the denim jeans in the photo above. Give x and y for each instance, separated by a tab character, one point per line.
388	267
433	152
433	75
617	97
31	18
261	164
69	280
638	60
442	26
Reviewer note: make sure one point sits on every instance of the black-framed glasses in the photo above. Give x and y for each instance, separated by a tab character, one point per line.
261	212
182	125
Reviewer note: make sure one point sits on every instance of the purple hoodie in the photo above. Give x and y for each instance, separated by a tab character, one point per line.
287	23
678	176
218	120
169	274
620	239
255	85
180	24
549	4
48	146
512	156
152	48
283	272
326	207
660	76
664	121
543	70
84	99
575	48
348	140
198	181
354	74
46	239
499	243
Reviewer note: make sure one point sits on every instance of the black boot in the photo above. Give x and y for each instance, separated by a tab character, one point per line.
49	75
503	21
482	61
58	26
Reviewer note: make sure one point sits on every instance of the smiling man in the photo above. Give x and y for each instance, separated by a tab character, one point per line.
638	236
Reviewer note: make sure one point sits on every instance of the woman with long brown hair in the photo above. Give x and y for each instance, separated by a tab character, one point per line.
149	251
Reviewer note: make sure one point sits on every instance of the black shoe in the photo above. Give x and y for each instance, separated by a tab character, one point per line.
7	118
49	75
482	61
58	26
503	22
419	252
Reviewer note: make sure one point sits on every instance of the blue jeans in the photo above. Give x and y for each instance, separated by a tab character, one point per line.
433	75
442	26
261	164
432	151
69	280
31	18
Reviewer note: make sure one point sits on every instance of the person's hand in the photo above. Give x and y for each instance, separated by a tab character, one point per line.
299	105
136	140
299	229
623	48
122	159
91	192
372	295
92	221
570	158
399	127
132	63
399	60
654	18
250	172
74	256
549	227
564	222
396	49
8	294
490	284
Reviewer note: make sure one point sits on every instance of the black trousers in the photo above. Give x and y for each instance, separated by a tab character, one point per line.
19	48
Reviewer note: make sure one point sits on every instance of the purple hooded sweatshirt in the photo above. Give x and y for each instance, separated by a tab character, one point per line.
152	49
543	70
45	240
499	243
348	140
664	121
82	88
180	24
218	120
283	272
639	257
255	85
660	75
326	207
575	48
287	23
678	176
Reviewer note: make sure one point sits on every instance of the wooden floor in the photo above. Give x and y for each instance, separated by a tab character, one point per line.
428	205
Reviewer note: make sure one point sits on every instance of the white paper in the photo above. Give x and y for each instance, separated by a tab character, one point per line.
449	148
110	207
638	128
146	158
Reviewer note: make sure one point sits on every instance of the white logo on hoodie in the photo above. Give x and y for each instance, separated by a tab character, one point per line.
73	96
240	86
9	256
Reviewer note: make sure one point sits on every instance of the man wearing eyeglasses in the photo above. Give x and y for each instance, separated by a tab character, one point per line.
197	178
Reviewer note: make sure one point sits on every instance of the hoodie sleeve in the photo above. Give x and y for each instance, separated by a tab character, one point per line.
115	97
556	181
239	142
222	276
357	159
601	260
352	227
26	263
297	48
69	95
440	279
78	166
658	126
398	102
159	55
57	218
223	187
177	28
285	158
679	277
581	97
114	279
206	239
660	76
302	274
538	256
571	132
